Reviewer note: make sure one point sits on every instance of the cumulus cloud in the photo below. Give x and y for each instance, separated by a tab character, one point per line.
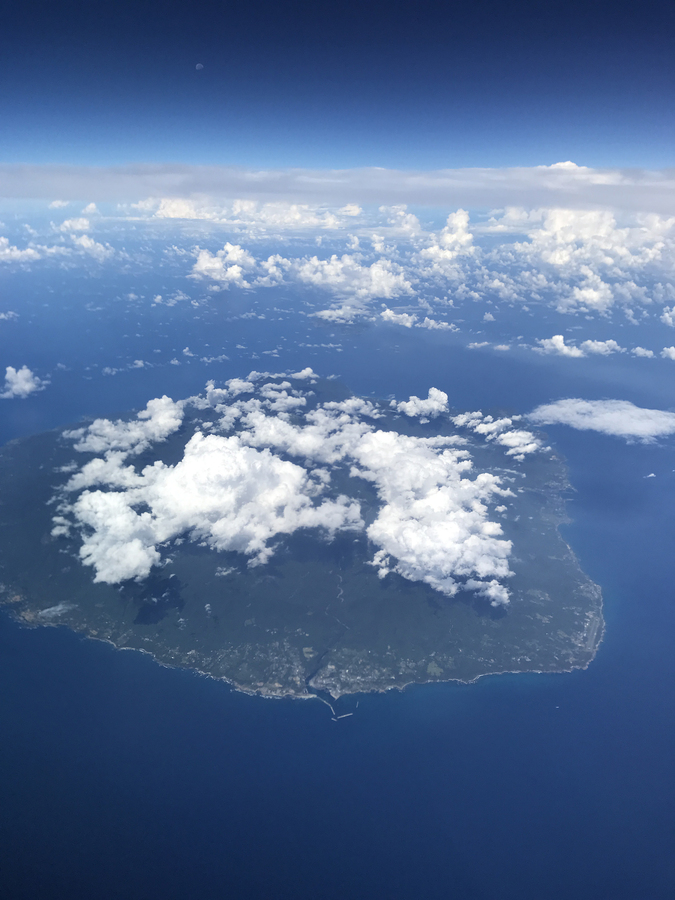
557	345
222	492
227	266
435	325
435	404
11	253
88	245
405	319
518	442
20	383
616	417
160	418
668	353
452	241
641	351
265	469
668	316
573	259
80	224
347	277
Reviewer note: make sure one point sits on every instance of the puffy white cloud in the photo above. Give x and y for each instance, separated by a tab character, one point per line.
668	353
435	325
80	224
601	348
346	277
20	383
229	495
98	251
583	259
11	253
435	404
557	344
227	266
433	526
668	316
616	417
240	491
454	240
640	351
404	319
160	418
518	442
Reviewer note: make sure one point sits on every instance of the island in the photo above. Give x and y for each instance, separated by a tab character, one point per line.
296	541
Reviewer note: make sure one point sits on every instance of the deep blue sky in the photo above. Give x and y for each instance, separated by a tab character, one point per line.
476	82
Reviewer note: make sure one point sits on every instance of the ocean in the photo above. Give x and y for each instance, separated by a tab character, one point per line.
120	778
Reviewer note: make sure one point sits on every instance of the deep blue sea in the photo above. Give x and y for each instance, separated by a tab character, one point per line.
122	779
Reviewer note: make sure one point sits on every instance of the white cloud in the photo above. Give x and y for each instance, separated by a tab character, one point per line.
668	353
227	266
518	442
222	492
20	383
435	404
70	225
453	241
11	253
668	316
160	418
404	319
616	417
640	351
435	325
346	277
557	344
236	492
601	348
58	204
433	525
93	248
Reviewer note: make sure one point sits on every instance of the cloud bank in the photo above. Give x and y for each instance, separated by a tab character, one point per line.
562	184
616	417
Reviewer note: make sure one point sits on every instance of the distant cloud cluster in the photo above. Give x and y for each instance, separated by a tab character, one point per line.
577	261
263	468
586	243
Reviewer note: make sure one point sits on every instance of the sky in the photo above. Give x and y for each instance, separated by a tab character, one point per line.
321	85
